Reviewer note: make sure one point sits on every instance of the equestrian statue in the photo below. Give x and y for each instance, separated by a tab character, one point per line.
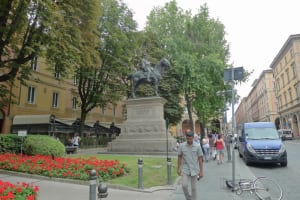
148	74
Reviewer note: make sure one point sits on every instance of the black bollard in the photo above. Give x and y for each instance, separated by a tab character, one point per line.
102	191
140	173
169	167
93	184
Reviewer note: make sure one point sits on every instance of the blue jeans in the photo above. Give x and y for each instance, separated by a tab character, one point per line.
206	153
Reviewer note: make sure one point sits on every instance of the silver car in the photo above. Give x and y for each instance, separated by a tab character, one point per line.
286	134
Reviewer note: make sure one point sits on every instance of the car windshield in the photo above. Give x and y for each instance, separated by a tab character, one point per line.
261	133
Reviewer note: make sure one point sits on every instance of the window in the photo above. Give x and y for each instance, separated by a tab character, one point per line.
31	95
33	64
114	110
282	79
75	81
55	100
287	75
280	103
278	84
297	91
280	65
285	60
74	103
291	53
291	95
56	72
294	70
285	99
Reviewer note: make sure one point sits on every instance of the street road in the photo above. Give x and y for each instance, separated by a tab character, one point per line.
288	177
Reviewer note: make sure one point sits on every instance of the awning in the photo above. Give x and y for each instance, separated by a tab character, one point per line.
31	119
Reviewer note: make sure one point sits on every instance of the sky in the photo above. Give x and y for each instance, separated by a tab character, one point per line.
255	29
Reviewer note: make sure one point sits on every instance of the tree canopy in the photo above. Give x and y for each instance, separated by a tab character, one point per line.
105	84
55	30
199	53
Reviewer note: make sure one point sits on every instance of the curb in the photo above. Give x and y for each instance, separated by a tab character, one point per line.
80	182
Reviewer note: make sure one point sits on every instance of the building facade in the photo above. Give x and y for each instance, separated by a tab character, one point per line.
275	96
261	103
286	70
47	95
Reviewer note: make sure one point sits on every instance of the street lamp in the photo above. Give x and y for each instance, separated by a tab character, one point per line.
52	124
231	75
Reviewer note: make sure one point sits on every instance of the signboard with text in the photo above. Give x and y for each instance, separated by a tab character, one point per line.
22	133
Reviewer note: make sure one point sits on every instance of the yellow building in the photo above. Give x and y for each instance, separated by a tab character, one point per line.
286	70
260	104
45	95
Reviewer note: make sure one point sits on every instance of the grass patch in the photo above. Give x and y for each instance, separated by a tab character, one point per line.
154	170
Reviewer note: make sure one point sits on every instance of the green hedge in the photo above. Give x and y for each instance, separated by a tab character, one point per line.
10	143
43	145
32	145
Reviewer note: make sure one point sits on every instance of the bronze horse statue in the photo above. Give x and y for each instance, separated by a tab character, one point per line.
140	77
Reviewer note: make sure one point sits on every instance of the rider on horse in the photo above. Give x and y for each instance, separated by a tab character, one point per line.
146	66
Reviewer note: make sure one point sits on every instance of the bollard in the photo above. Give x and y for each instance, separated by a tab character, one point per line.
140	173
102	191
169	167
93	184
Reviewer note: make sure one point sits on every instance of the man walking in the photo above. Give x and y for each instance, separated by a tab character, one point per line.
190	165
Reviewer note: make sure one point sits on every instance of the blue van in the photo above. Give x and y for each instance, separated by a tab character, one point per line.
259	142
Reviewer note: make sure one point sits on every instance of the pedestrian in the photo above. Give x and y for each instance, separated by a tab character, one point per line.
176	146
190	165
220	145
205	146
212	147
197	139
76	140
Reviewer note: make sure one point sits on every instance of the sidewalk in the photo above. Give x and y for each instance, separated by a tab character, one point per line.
211	186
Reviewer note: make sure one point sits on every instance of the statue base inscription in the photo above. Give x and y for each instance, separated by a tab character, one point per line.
144	131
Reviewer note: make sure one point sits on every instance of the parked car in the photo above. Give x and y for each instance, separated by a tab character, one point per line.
286	134
259	142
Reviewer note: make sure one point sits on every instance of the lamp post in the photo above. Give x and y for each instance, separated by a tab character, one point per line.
167	138
169	162
52	124
231	75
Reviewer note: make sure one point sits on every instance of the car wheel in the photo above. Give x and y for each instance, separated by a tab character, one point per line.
246	161
283	164
240	155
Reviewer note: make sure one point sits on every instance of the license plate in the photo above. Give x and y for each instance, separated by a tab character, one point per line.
268	158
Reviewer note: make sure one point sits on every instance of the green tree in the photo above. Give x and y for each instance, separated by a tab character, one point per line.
198	50
46	28
100	85
23	26
169	89
211	49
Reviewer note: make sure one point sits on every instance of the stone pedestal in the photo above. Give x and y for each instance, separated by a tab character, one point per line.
144	131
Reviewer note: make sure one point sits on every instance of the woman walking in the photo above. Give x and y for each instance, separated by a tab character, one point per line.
220	144
205	146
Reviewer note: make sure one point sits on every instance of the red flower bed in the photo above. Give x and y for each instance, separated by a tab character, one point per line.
20	191
74	168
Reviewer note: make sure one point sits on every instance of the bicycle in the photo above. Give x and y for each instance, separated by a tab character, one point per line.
264	188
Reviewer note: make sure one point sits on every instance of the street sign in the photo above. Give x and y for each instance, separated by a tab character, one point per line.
238	74
22	133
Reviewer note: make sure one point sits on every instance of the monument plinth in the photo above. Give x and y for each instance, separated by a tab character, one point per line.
144	131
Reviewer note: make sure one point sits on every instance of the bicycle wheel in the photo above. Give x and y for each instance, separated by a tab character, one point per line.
266	188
